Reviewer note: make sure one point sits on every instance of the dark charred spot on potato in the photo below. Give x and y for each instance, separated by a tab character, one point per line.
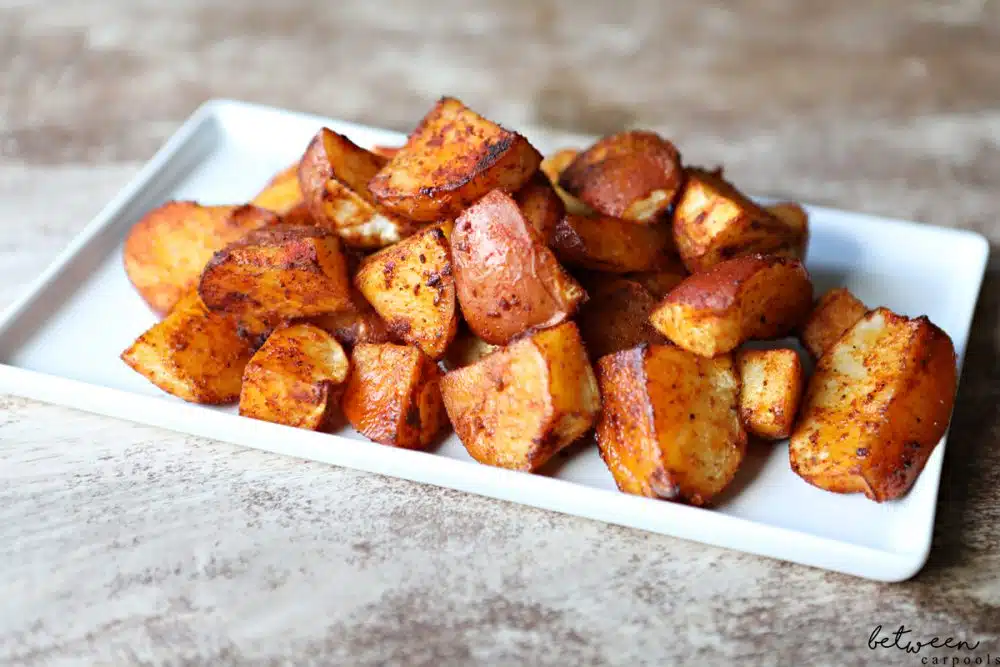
398	328
388	272
862	452
413	416
423	258
434	280
494	151
416	289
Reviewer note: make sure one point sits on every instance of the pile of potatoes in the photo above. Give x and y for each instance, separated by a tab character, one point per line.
462	280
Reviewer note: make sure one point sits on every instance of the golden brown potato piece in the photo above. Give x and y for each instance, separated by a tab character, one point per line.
836	311
617	317
393	395
796	220
278	274
507	280
540	204
282	195
334	175
633	176
467	348
412	286
298	215
612	245
669	425
877	405
772	382
659	283
713	222
518	406
295	378
553	166
454	157
359	324
738	300
194	354
167	249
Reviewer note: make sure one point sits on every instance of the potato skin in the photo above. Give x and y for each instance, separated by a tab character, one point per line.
517	407
772	383
746	298
282	194
876	407
278	274
295	378
617	317
334	175
167	249
507	280
194	354
634	176
540	204
454	157
714	222
669	426
412	286
393	395
835	312
611	245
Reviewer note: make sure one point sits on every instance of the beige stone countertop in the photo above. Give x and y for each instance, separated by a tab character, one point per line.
123	544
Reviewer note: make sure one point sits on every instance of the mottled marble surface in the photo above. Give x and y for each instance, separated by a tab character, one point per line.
123	544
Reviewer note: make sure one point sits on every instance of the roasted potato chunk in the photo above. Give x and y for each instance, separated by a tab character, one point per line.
506	278
278	274
659	283
617	317
466	349
518	406
358	324
454	157
334	175
669	426
612	245
796	221
713	222
772	382
167	249
393	395
540	204
295	378
738	300
412	287
633	176
553	166
193	353
836	311
876	406
282	195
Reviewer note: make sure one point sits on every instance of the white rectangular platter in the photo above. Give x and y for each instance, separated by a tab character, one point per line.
60	343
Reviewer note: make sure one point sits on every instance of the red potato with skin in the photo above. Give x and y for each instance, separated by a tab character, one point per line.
757	297
507	280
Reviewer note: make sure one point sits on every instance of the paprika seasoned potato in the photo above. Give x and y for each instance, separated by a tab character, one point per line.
611	245
669	425
553	166
738	300
518	406
412	287
167	249
836	311
467	348
540	204
617	317
634	176
796	221
772	382
357	324
278	274
334	175
193	353
282	195
454	157
878	403
388	152
713	222
295	378
659	283
393	395
506	278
